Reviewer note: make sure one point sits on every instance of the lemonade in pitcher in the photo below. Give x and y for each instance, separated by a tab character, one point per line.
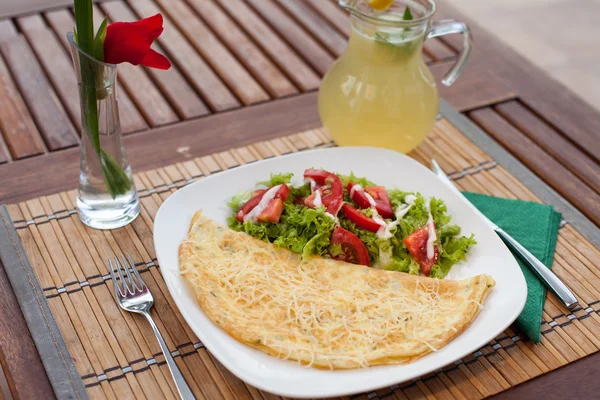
380	92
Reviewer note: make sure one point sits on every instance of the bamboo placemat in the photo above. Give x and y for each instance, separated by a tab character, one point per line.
116	353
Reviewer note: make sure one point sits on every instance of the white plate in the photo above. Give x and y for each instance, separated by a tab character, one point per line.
387	168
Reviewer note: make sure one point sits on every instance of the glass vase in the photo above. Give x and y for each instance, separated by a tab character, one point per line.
107	198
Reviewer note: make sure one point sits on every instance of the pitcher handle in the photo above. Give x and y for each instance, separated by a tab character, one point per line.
448	27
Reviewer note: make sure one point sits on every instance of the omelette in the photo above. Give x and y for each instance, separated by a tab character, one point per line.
321	312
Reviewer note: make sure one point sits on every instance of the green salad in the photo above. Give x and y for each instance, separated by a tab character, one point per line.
352	219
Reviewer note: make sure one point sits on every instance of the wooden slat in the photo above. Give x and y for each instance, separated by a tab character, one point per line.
547	97
16	124
4	152
563	150
289	30
334	14
474	89
302	75
438	50
316	25
7	30
214	93
530	153
59	171
20	360
55	61
184	100
61	22
246	51
213	51
47	111
10	8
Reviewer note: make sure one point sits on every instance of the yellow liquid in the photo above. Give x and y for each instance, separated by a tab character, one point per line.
379	94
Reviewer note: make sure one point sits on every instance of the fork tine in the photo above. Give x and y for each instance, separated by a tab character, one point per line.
132	281
140	280
123	281
118	290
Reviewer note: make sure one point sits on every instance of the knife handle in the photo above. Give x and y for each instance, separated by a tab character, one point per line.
551	281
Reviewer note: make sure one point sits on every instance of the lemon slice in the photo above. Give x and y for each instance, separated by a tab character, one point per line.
380	5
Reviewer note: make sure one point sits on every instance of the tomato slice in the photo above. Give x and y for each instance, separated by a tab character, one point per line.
358	197
318	175
330	189
379	195
382	200
416	243
250	204
269	214
354	250
299	200
272	211
360	219
283	193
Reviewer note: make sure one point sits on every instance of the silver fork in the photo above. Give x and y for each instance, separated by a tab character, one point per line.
133	295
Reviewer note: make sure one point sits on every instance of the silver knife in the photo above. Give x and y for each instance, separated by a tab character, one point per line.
551	281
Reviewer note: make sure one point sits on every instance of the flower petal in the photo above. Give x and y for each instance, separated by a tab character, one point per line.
154	24
130	42
125	42
155	60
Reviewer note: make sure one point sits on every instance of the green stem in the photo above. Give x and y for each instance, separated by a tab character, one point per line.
85	35
115	178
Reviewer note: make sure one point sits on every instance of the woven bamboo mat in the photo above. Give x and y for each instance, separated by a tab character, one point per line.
117	355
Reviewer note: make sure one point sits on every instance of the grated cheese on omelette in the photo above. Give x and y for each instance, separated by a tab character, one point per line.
322	312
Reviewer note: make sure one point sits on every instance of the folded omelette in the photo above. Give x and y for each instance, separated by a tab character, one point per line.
321	312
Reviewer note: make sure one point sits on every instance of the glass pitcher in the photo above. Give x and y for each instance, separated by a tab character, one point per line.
380	92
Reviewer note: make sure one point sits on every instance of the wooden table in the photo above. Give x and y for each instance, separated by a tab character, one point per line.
248	71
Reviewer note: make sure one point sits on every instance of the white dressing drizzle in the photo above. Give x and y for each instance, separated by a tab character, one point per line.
410	198
356	188
333	217
370	199
313	184
431	230
401	211
317	201
260	207
384	231
385	228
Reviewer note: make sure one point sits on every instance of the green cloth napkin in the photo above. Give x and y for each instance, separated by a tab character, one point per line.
535	226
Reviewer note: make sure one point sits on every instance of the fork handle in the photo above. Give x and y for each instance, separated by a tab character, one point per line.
182	386
548	277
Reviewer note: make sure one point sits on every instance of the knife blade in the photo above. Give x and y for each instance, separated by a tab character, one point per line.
550	280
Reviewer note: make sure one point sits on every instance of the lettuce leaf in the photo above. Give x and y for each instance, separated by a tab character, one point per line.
448	230
346	179
276	179
300	229
300	191
453	250
397	196
439	212
239	200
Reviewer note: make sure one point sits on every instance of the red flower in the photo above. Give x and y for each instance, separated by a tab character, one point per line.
130	41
